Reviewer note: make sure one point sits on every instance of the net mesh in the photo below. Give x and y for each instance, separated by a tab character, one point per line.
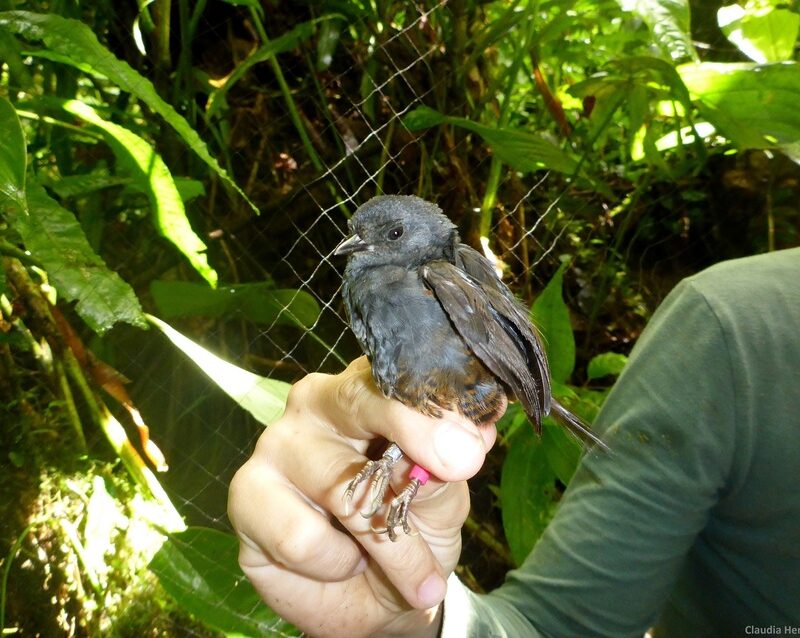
366	149
318	131
354	112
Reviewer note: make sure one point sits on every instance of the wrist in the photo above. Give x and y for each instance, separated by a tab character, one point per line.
415	624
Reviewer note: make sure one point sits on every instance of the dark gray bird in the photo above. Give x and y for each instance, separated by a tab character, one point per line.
441	330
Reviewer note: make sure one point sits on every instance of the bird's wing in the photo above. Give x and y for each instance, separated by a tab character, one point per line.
494	326
354	318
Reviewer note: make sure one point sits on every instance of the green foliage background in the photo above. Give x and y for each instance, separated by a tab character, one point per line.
198	161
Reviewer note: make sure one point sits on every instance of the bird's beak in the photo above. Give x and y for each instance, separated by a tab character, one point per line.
352	244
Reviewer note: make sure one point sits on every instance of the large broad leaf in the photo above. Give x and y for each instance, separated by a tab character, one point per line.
13	156
264	398
522	151
754	106
75	44
527	493
763	33
200	570
669	22
259	302
550	315
152	175
55	239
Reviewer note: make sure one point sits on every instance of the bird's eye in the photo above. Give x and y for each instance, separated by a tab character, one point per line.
395	233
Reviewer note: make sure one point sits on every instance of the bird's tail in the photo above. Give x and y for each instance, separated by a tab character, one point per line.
576	426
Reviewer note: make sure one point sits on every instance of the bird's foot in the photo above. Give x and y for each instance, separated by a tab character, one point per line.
398	509
381	472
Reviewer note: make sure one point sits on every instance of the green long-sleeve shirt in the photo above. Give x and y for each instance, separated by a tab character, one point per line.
692	525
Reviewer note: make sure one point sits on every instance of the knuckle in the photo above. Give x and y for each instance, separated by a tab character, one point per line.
301	546
237	493
351	390
303	390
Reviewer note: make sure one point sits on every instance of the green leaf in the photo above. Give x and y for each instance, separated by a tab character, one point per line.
80	47
562	450
497	29
608	363
13	156
763	33
522	151
264	398
12	56
668	21
258	302
423	117
254	4
55	239
77	185
199	568
189	188
550	315
754	106
327	41
527	493
513	419
153	177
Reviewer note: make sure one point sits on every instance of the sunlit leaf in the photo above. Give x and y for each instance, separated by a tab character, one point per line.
527	493
258	302
80	47
763	33
153	177
669	22
264	398
55	239
103	517
199	568
550	315
521	150
13	157
754	106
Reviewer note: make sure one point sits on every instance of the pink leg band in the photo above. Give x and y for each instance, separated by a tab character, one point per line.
420	473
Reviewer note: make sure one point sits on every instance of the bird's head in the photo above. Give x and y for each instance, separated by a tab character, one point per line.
399	229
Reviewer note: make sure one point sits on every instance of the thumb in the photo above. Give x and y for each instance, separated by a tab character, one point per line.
451	448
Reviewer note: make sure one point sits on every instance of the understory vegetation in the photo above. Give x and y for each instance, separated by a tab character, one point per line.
174	176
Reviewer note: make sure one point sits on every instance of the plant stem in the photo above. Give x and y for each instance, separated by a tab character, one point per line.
493	182
488	539
12	554
294	114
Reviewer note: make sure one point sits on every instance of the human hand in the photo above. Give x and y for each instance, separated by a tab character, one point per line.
323	568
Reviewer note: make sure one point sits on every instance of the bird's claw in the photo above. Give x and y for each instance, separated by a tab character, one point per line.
398	509
381	473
